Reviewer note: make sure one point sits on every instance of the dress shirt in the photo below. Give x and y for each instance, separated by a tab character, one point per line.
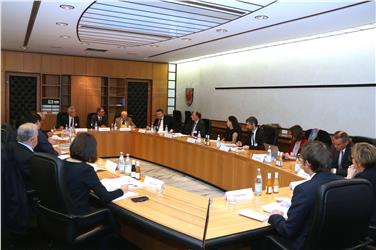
160	125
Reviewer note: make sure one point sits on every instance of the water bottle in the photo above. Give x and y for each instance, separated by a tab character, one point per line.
218	141
298	164
121	163
268	157
258	183
198	140
96	126
115	126
166	129
128	166
207	140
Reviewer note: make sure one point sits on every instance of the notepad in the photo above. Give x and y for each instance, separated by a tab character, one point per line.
253	215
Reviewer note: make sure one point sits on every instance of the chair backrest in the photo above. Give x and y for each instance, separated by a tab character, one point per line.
342	214
322	136
357	139
187	117
207	126
270	134
8	133
59	118
88	121
48	181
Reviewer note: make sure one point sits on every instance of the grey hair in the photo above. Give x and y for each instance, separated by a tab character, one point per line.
26	131
70	108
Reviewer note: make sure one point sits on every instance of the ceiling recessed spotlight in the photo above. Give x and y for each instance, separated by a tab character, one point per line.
261	17
66	7
23	47
84	43
221	30
146	58
154	46
121	47
64	36
186	39
61	24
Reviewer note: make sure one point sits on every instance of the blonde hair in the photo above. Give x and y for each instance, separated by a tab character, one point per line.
365	154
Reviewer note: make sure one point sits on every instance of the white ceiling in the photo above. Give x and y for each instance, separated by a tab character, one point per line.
154	30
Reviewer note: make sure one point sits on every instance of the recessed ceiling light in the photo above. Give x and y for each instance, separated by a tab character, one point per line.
84	43
61	24
146	58
261	17
154	46
186	39
121	47
221	30
23	47
67	7
64	36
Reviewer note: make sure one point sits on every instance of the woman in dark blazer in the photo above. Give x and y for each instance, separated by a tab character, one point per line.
233	130
81	178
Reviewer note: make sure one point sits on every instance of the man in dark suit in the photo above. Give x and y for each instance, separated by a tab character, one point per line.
256	138
163	121
100	119
197	125
70	119
317	162
341	153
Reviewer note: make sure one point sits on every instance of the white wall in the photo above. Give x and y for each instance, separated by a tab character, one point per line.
342	59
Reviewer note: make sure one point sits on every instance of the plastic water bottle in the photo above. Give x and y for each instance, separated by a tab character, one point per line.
166	129
258	183
198	140
218	141
268	157
115	126
121	163
128	166
298	164
96	126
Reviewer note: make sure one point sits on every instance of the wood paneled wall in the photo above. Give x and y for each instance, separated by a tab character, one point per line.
24	62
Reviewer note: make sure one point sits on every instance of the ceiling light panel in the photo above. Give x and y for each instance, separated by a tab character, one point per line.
156	20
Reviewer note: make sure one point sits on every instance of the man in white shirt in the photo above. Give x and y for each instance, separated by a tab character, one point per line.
256	135
163	122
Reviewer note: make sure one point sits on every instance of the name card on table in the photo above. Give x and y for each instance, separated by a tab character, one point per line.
154	184
125	129
239	195
191	140
168	135
142	131
104	129
80	130
259	157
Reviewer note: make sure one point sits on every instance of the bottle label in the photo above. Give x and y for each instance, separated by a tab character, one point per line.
276	189
258	188
270	189
297	167
137	176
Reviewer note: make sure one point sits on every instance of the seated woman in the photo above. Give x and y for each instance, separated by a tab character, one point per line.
233	130
81	178
364	166
297	142
317	161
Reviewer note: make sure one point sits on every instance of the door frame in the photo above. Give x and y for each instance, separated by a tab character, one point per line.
150	95
8	74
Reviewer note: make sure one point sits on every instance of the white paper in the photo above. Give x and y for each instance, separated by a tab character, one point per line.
285	201
259	157
111	166
275	206
168	135
64	156
126	195
79	130
191	140
178	135
153	183
238	195
224	148
115	183
125	129
294	184
142	131
104	129
303	174
253	215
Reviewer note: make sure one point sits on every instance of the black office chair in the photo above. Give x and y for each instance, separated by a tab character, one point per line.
59	119
341	217
207	126
55	215
176	114
322	136
88	121
357	139
270	134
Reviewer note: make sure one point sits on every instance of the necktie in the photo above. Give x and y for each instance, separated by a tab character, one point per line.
340	159
72	122
123	122
252	139
159	123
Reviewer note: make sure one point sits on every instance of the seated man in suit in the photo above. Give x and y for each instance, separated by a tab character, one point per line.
70	120
100	119
341	153
317	161
197	125
23	149
124	121
256	137
162	122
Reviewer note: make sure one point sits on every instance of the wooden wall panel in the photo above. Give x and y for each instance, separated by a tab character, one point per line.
79	66
67	65
32	62
13	61
159	92
51	64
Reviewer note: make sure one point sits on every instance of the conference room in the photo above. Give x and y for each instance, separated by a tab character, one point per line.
195	124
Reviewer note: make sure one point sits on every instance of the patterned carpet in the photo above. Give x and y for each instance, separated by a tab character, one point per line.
177	179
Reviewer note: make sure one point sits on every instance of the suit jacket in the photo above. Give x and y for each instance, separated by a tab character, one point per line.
259	139
14	200
167	121
128	122
103	121
64	121
200	127
370	174
80	179
44	145
345	163
295	229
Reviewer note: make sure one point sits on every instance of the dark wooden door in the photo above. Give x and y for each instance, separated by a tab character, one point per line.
138	102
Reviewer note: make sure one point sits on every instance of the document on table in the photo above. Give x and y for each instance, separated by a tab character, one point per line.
276	206
64	156
253	215
115	183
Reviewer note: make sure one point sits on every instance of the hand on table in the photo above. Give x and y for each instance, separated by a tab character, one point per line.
276	211
124	188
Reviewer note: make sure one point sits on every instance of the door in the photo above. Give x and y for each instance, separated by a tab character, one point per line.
139	102
22	95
